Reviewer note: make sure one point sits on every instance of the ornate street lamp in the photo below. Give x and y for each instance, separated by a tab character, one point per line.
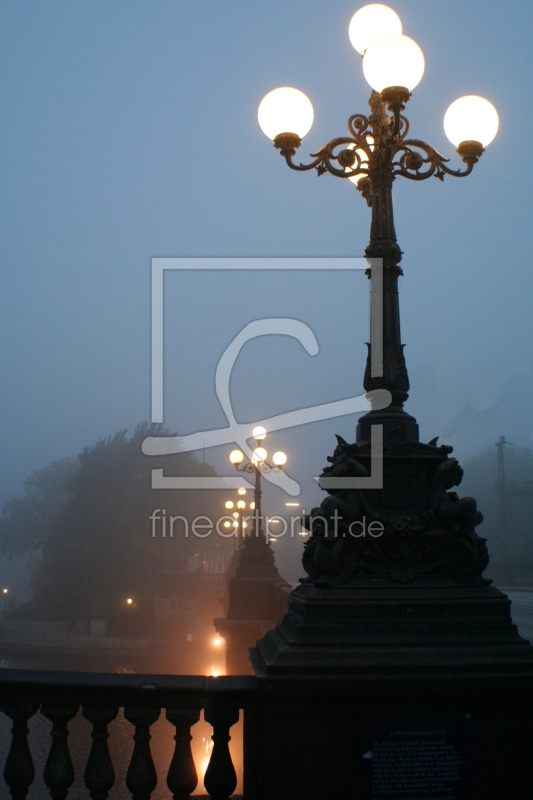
258	465
394	601
376	150
256	592
239	523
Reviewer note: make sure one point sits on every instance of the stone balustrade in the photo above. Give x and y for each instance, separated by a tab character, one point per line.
59	696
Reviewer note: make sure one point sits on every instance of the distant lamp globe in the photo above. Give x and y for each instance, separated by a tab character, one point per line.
471	119
229	504
259	433
241	491
236	456
252	506
279	459
394	62
227	524
259	455
235	515
362	163
241	504
371	23
285	111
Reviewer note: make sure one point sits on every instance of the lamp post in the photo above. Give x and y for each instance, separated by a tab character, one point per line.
256	595
258	465
238	516
377	150
394	601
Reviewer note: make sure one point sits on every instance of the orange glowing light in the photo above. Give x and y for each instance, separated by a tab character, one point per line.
217	641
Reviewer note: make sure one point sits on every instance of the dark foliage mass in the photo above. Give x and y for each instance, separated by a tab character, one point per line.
86	522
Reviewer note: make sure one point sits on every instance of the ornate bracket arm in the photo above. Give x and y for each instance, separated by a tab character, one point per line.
349	158
417	167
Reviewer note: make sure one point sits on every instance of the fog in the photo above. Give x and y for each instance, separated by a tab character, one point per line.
130	131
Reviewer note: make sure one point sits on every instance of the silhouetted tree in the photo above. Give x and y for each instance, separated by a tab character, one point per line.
93	532
24	521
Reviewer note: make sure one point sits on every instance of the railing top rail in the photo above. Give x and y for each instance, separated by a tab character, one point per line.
120	688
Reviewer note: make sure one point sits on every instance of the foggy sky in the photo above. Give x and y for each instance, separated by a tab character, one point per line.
130	131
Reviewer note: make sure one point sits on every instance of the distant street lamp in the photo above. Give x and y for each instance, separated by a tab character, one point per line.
239	523
258	465
4	592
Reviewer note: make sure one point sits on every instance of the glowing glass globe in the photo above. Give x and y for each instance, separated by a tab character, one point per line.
285	110
259	433
394	61
371	23
236	456
364	160
279	459
471	118
260	454
229	504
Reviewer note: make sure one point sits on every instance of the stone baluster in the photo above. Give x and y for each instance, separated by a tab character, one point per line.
141	778
220	778
99	774
182	778
58	771
19	771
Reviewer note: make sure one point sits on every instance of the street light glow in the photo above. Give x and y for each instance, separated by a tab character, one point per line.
285	110
129	601
279	458
471	119
259	433
394	61
241	491
371	23
236	456
260	455
229	504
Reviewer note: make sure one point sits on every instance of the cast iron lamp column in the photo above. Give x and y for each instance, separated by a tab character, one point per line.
406	618
429	545
375	152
